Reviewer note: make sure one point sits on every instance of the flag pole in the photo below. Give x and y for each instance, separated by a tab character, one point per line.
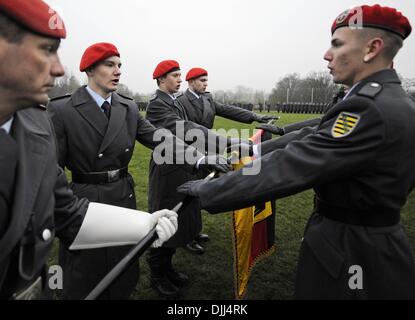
135	252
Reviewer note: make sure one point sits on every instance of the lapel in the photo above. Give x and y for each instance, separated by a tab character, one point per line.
195	105
194	100
87	107
173	103
116	122
33	151
206	109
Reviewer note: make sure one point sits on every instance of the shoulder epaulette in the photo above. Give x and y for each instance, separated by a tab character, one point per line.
370	90
68	95
125	97
179	95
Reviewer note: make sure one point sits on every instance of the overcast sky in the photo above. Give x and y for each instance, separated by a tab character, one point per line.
240	42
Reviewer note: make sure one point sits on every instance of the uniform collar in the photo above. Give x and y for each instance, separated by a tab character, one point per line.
194	93
97	98
381	77
351	91
7	125
169	98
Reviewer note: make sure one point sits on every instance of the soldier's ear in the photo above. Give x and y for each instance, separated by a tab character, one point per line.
89	72
374	48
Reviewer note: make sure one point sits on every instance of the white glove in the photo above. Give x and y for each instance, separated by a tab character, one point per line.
166	226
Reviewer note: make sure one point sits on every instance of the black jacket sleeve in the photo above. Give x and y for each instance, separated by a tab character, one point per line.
233	113
162	116
316	159
69	209
60	133
300	125
282	142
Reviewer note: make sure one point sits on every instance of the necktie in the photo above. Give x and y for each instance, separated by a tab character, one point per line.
107	109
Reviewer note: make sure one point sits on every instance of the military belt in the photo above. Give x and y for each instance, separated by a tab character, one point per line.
99	177
376	218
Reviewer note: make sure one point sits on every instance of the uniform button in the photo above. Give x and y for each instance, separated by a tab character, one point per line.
127	150
101	155
46	234
131	196
375	85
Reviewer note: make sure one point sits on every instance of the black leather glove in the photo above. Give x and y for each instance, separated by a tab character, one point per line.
271	128
244	149
233	141
215	162
264	119
190	188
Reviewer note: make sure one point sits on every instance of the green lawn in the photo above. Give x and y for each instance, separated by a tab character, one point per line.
212	273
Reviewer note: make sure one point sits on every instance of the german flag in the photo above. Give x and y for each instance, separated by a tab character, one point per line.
254	233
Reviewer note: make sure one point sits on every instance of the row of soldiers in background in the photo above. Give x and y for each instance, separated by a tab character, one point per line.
298	107
142	106
295	107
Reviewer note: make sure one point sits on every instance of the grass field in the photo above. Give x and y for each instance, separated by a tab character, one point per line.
212	273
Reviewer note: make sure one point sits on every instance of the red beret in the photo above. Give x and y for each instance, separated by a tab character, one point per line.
36	16
96	53
196	73
165	67
376	16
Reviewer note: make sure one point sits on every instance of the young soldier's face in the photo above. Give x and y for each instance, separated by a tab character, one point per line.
105	77
346	56
172	81
199	85
29	68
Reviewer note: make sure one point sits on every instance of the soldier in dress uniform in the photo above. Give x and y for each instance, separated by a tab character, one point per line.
165	111
361	163
35	200
202	109
96	130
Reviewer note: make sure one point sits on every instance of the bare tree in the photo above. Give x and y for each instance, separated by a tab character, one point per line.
285	89
317	87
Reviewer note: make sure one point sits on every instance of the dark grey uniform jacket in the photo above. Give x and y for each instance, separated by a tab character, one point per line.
204	110
191	114
88	142
164	112
362	181
42	202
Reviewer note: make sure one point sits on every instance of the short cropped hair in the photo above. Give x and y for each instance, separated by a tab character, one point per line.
393	42
11	30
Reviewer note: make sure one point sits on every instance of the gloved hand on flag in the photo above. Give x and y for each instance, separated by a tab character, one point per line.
190	188
214	162
271	128
166	226
243	149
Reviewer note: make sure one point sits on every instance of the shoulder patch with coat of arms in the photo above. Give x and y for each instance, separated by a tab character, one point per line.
345	124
